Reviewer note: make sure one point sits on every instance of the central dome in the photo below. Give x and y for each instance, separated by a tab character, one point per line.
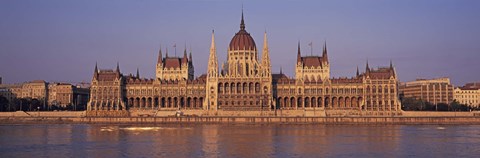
242	39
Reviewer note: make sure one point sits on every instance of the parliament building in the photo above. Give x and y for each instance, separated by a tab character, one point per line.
244	83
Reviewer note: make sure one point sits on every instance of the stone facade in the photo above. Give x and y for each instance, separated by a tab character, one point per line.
10	91
60	94
174	68
434	91
245	83
63	94
373	90
37	89
468	94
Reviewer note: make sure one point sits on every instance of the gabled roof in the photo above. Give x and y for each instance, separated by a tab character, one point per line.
173	62
310	61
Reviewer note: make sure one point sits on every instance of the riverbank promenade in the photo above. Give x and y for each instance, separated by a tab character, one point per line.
259	117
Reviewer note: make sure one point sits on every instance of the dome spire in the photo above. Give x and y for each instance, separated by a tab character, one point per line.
242	23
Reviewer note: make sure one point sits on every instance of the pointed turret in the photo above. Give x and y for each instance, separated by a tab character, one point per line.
138	73
391	65
160	58
185	57
358	73
324	54
266	56
117	71
299	55
392	70
166	52
367	69
118	67
95	72
212	61
190	58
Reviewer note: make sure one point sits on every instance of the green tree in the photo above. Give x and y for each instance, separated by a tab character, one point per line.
3	103
35	104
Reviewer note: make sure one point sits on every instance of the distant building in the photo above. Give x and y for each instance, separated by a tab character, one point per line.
468	94
1	80
36	89
472	85
64	94
435	91
60	94
9	91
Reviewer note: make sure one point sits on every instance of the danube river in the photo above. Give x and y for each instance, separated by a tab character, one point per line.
226	140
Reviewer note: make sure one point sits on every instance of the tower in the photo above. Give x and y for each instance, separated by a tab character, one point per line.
174	68
312	68
245	83
266	71
159	65
212	78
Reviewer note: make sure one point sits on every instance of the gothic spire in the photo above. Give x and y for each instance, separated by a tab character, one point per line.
299	55
95	72
166	52
159	60
185	57
391	64
190	59
367	69
266	56
324	55
212	61
138	74
357	71
392	71
117	71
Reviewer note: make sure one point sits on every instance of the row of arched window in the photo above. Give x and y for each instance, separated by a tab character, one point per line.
239	88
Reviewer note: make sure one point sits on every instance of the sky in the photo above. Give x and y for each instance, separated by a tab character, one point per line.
61	40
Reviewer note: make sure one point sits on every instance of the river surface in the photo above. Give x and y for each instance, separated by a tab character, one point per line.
250	141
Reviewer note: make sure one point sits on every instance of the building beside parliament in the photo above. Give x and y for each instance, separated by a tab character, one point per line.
469	94
435	91
244	83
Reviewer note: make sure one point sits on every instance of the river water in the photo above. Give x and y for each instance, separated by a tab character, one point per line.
226	140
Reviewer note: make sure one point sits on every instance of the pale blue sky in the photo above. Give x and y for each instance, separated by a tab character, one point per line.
60	40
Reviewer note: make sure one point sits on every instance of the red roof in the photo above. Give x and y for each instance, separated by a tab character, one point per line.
381	73
107	75
173	62
310	61
242	41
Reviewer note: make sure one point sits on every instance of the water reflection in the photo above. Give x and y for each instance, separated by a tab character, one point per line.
220	140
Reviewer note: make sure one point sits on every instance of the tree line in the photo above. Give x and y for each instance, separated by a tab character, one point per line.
29	104
412	104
